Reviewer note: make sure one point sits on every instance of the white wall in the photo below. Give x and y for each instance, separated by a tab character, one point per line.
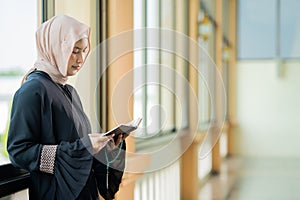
268	109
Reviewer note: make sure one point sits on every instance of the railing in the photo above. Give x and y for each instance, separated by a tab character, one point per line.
162	184
12	180
5	100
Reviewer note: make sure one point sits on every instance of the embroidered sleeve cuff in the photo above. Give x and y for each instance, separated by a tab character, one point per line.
48	158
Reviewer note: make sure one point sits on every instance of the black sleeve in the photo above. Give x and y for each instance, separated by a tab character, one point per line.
73	166
116	170
24	130
72	160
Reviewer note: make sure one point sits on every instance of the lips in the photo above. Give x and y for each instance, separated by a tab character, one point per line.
76	67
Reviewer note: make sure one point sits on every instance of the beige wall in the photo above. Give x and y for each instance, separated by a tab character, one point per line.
85	81
268	109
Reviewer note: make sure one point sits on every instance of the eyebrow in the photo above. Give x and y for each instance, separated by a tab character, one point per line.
79	48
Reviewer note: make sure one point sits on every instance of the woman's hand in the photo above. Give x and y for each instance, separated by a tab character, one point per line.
115	143
99	141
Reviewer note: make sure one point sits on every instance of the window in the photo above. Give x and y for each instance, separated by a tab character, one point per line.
226	78
17	37
225	18
257	32
208	6
289	29
207	70
205	103
226	53
272	32
86	82
156	87
206	82
19	21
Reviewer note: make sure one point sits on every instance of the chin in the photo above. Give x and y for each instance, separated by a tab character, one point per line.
72	73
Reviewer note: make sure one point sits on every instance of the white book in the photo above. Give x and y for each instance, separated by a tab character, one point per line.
125	128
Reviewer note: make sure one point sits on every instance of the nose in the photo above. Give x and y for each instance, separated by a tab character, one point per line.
79	58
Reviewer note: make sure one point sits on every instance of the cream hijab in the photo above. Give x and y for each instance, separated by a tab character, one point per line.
55	40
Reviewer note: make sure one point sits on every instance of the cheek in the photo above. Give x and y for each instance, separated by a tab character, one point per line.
71	60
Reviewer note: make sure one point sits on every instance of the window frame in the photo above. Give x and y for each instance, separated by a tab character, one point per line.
12	179
210	49
162	137
278	40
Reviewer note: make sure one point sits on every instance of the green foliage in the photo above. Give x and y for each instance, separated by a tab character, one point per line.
3	137
4	141
12	72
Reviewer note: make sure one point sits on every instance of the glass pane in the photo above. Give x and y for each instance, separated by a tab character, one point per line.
139	16
139	64
139	90
153	110
167	14
181	62
204	104
225	74
209	6
182	93
167	91
204	87
19	22
167	66
152	67
212	74
225	18
256	29
157	99
290	29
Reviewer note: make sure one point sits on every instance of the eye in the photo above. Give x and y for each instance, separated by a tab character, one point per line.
85	50
76	51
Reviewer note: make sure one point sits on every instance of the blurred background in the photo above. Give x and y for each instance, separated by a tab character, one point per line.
220	73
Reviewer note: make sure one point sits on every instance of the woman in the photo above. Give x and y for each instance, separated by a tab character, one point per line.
49	134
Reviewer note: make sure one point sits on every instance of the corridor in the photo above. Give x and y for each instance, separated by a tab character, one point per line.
254	179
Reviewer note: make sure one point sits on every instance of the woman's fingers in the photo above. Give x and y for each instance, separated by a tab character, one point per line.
125	136
99	141
119	140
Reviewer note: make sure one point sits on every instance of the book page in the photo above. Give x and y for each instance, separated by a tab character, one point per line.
125	128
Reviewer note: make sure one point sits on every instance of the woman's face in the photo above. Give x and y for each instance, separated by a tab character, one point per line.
78	56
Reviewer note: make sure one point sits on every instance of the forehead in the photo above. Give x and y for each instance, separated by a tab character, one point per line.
82	43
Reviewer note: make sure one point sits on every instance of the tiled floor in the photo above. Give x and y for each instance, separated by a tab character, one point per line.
255	179
22	195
